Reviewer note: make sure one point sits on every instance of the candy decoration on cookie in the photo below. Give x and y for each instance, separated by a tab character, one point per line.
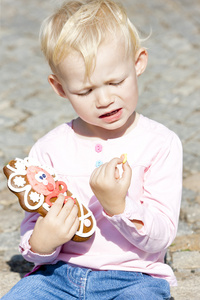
37	187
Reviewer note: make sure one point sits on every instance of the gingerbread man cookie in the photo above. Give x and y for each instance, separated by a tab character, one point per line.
37	187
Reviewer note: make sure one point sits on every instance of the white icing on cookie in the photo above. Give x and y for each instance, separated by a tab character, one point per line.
33	207
20	169
84	218
19	181
87	223
35	197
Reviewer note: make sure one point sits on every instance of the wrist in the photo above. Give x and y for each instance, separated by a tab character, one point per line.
36	247
115	210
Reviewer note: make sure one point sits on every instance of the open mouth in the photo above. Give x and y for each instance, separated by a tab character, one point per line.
110	113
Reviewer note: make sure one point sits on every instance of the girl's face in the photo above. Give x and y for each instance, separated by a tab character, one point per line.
105	102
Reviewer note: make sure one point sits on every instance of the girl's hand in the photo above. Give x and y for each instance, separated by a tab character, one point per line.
109	188
57	228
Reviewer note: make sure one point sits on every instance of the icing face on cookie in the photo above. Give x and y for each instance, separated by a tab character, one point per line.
37	187
41	181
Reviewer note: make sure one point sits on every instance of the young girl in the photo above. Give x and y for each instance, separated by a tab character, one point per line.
95	55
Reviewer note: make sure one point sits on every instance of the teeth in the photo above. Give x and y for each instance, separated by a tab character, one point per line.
112	113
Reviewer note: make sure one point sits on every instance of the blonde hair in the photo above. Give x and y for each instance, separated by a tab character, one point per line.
83	26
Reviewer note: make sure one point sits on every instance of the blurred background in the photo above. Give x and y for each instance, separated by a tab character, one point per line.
169	93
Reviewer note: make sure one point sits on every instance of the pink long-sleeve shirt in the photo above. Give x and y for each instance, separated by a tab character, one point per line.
155	156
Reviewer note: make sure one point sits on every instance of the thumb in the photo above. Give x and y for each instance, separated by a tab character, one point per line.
127	173
39	219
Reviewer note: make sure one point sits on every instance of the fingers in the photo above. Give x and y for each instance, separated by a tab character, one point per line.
108	171
61	209
68	216
69	210
126	175
126	168
107	168
114	162
65	216
57	206
73	226
117	174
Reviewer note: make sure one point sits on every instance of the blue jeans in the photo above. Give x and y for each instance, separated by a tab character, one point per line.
63	281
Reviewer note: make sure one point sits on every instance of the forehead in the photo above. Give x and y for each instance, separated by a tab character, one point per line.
111	54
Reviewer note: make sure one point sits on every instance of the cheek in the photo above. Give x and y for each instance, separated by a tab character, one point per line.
132	84
74	102
82	107
130	92
50	179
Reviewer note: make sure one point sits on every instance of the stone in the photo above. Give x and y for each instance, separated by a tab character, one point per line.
188	242
186	260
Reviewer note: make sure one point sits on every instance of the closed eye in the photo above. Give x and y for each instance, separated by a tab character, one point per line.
86	93
116	83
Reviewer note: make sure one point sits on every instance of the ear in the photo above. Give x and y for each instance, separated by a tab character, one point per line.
141	58
56	85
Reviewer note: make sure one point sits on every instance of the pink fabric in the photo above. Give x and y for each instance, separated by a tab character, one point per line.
155	155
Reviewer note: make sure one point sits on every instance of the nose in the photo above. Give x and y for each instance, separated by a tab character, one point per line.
50	187
103	98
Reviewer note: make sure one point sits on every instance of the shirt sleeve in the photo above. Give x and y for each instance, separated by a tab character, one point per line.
159	205
29	221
